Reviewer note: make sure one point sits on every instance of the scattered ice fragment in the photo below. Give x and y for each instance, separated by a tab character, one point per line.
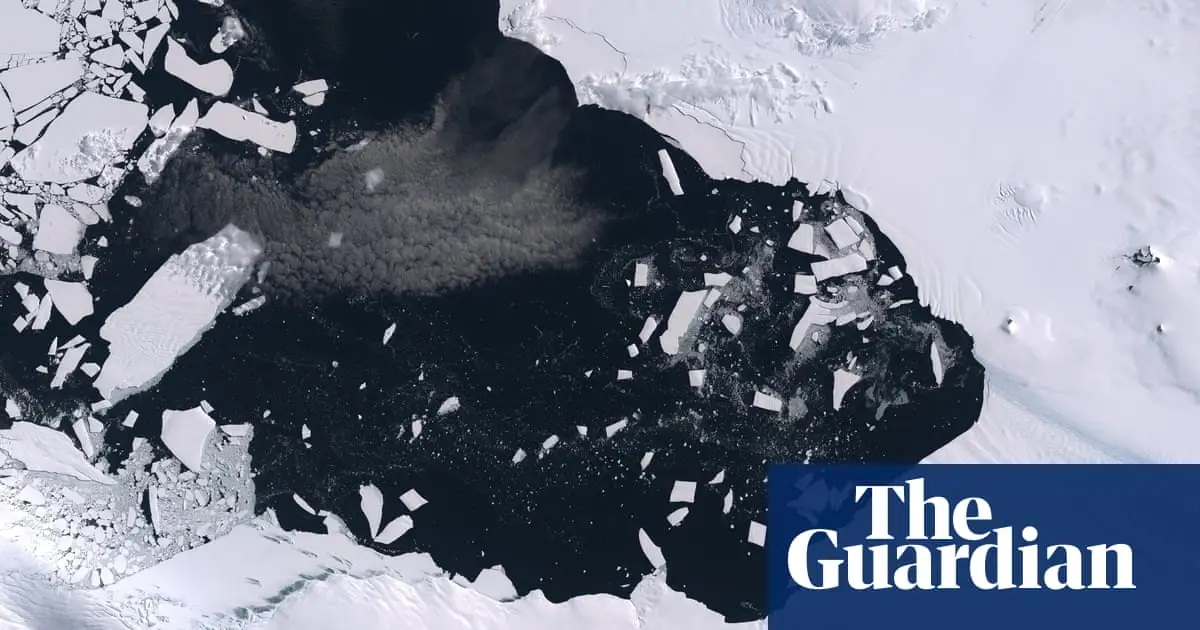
314	86
335	239
230	33
249	305
549	442
214	77
735	225
817	313
632	349
732	322
797	210
757	534
850	263
59	232
303	504
12	409
842	382
648	328
388	332
841	233
652	551
717	279
680	320
803	239
767	401
113	56
935	358
238	124
711	297
67	365
186	433
395	529
236	430
641	274
83	433
805	284
582	430
612	429
31	495
10	234
412	500
155	513
417	425
42	317
130	419
676	517
519	456
646	459
305	432
669	173
160	121
728	502
624	375
718	478
683	492
450	405
696	377
72	299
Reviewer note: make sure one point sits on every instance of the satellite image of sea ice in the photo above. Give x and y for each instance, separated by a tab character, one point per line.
493	314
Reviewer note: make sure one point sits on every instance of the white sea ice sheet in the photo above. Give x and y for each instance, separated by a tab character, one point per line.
46	450
59	232
93	132
26	32
29	84
394	530
669	172
170	312
371	504
214	77
238	124
186	434
71	299
680	319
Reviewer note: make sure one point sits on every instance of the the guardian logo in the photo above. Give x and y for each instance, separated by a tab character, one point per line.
949	547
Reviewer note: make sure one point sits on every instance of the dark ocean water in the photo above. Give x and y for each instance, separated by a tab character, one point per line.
516	349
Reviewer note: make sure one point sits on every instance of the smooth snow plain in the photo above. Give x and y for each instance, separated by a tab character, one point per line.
1017	152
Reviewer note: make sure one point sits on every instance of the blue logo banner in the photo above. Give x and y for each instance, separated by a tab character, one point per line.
983	546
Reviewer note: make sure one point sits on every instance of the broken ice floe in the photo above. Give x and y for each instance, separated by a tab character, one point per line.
214	77
170	312
669	173
186	434
238	124
92	132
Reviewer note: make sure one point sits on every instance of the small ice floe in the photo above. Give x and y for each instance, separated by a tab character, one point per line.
683	492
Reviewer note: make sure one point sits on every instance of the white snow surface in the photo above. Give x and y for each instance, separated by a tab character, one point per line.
1014	151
